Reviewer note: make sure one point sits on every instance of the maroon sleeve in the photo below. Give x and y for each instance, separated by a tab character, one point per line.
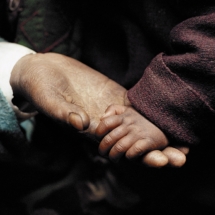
177	91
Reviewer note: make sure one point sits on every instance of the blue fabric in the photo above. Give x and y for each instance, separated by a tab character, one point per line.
8	121
28	126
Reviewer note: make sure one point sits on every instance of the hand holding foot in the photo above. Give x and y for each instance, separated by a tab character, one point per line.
70	91
129	133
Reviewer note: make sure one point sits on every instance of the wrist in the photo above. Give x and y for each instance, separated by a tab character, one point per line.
10	54
23	109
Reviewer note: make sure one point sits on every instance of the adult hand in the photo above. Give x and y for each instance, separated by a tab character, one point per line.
70	91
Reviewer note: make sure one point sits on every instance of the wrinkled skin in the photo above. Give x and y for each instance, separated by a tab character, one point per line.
71	92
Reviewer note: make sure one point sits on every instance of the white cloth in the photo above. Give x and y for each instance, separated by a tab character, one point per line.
10	53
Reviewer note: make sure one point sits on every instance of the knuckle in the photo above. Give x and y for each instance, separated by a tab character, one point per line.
107	141
117	132
106	123
119	147
137	149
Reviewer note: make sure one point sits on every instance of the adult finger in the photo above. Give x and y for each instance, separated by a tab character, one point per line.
60	109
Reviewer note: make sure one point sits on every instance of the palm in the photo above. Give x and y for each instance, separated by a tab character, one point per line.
94	92
58	85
